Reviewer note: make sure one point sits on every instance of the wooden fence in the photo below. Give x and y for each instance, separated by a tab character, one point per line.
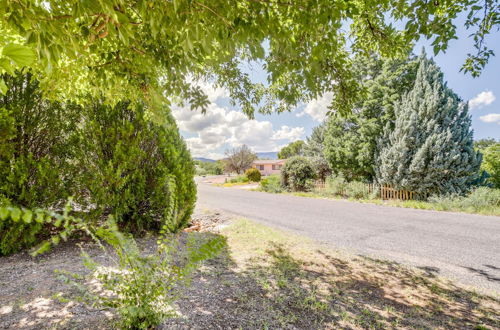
383	191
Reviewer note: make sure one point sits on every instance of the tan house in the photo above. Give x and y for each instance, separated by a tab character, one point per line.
268	167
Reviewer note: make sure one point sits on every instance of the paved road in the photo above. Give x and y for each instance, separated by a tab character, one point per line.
464	247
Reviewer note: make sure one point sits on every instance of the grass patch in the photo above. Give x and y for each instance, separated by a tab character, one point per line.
469	204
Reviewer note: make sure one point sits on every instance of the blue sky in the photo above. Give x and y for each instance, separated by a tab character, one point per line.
224	126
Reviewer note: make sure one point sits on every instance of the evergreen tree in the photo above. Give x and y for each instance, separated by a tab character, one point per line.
315	143
351	140
430	149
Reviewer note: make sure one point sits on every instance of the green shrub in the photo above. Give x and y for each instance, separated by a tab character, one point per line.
253	175
335	185
271	184
482	199
298	174
127	163
358	190
112	159
35	144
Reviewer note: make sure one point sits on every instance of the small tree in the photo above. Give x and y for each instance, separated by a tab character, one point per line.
293	149
430	148
239	159
297	174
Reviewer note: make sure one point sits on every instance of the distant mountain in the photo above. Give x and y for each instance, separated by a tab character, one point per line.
206	160
267	155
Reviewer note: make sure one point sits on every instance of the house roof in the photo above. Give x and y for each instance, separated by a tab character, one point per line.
268	161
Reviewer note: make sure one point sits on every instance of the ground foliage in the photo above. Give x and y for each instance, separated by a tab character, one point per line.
148	49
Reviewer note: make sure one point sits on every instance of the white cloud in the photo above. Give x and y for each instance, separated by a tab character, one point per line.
221	128
213	93
482	99
318	108
491	118
289	133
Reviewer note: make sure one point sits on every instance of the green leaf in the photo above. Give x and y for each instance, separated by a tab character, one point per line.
5	64
3	88
4	213
21	55
15	214
27	216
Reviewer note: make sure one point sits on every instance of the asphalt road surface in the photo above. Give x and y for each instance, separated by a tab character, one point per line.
463	247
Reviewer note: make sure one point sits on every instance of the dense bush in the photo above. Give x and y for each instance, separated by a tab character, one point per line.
253	174
34	150
127	164
298	174
271	184
111	159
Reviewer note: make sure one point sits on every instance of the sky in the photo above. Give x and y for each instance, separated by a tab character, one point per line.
224	126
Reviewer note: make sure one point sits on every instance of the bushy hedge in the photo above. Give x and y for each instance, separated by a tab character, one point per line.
128	164
34	153
113	160
253	174
298	174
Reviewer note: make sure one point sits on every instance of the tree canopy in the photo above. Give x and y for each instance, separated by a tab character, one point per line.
295	148
151	49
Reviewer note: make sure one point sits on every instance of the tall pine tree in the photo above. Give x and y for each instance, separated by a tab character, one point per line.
430	148
350	141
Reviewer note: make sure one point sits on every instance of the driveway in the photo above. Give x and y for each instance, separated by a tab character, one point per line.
463	247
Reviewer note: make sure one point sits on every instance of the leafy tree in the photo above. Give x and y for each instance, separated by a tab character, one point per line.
292	149
430	148
484	143
145	49
351	140
239	159
491	163
298	174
